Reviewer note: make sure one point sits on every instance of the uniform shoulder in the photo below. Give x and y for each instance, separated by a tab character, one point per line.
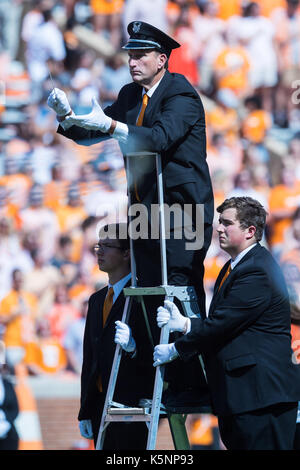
129	88
179	84
264	262
98	294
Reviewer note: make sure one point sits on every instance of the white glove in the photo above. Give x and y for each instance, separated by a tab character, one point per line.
85	428
96	120
124	337
170	315
58	101
164	353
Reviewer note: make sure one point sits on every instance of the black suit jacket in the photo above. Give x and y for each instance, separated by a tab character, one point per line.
246	338
174	127
135	378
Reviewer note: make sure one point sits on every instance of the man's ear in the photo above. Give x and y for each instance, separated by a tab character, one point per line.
162	60
251	232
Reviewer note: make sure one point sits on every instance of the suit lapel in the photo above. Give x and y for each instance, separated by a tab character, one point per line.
99	314
116	308
135	104
155	99
217	291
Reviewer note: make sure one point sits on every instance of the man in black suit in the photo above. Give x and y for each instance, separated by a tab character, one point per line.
246	341
159	112
135	378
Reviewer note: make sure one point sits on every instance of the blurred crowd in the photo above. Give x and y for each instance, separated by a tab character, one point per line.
243	58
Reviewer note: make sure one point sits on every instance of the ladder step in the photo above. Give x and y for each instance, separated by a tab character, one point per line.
127	411
127	414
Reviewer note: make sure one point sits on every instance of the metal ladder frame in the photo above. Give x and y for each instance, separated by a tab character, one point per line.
116	412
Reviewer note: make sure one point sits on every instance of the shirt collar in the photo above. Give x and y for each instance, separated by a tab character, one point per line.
152	89
118	286
241	255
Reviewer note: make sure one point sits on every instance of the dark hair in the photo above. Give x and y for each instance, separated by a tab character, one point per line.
47	15
249	212
64	240
14	272
296	214
255	100
118	231
88	222
248	9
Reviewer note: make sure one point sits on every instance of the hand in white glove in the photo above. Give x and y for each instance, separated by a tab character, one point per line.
164	353
170	315
124	337
85	428
96	120
58	101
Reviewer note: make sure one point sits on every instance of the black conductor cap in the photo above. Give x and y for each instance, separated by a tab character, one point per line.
145	36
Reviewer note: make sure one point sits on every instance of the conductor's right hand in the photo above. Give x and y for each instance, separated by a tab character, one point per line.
170	315
85	428
58	101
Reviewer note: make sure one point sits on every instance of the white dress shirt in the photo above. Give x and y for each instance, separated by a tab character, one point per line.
241	255
118	286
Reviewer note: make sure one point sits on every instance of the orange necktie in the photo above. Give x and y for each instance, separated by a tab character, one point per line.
139	122
228	271
140	118
108	303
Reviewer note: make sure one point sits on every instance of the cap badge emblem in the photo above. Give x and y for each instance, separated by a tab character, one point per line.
136	26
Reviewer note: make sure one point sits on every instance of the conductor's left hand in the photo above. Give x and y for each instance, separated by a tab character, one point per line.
124	337
96	120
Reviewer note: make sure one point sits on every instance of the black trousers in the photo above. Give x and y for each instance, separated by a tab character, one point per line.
11	441
185	267
122	436
118	436
271	428
297	437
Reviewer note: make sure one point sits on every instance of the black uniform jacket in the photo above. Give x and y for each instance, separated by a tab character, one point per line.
135	378
174	126
246	338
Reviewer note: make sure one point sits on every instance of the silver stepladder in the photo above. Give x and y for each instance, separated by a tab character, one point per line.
150	412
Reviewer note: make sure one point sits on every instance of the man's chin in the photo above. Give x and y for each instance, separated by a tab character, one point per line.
101	266
222	244
137	79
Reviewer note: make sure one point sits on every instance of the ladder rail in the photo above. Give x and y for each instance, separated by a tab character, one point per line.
185	295
157	392
112	380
